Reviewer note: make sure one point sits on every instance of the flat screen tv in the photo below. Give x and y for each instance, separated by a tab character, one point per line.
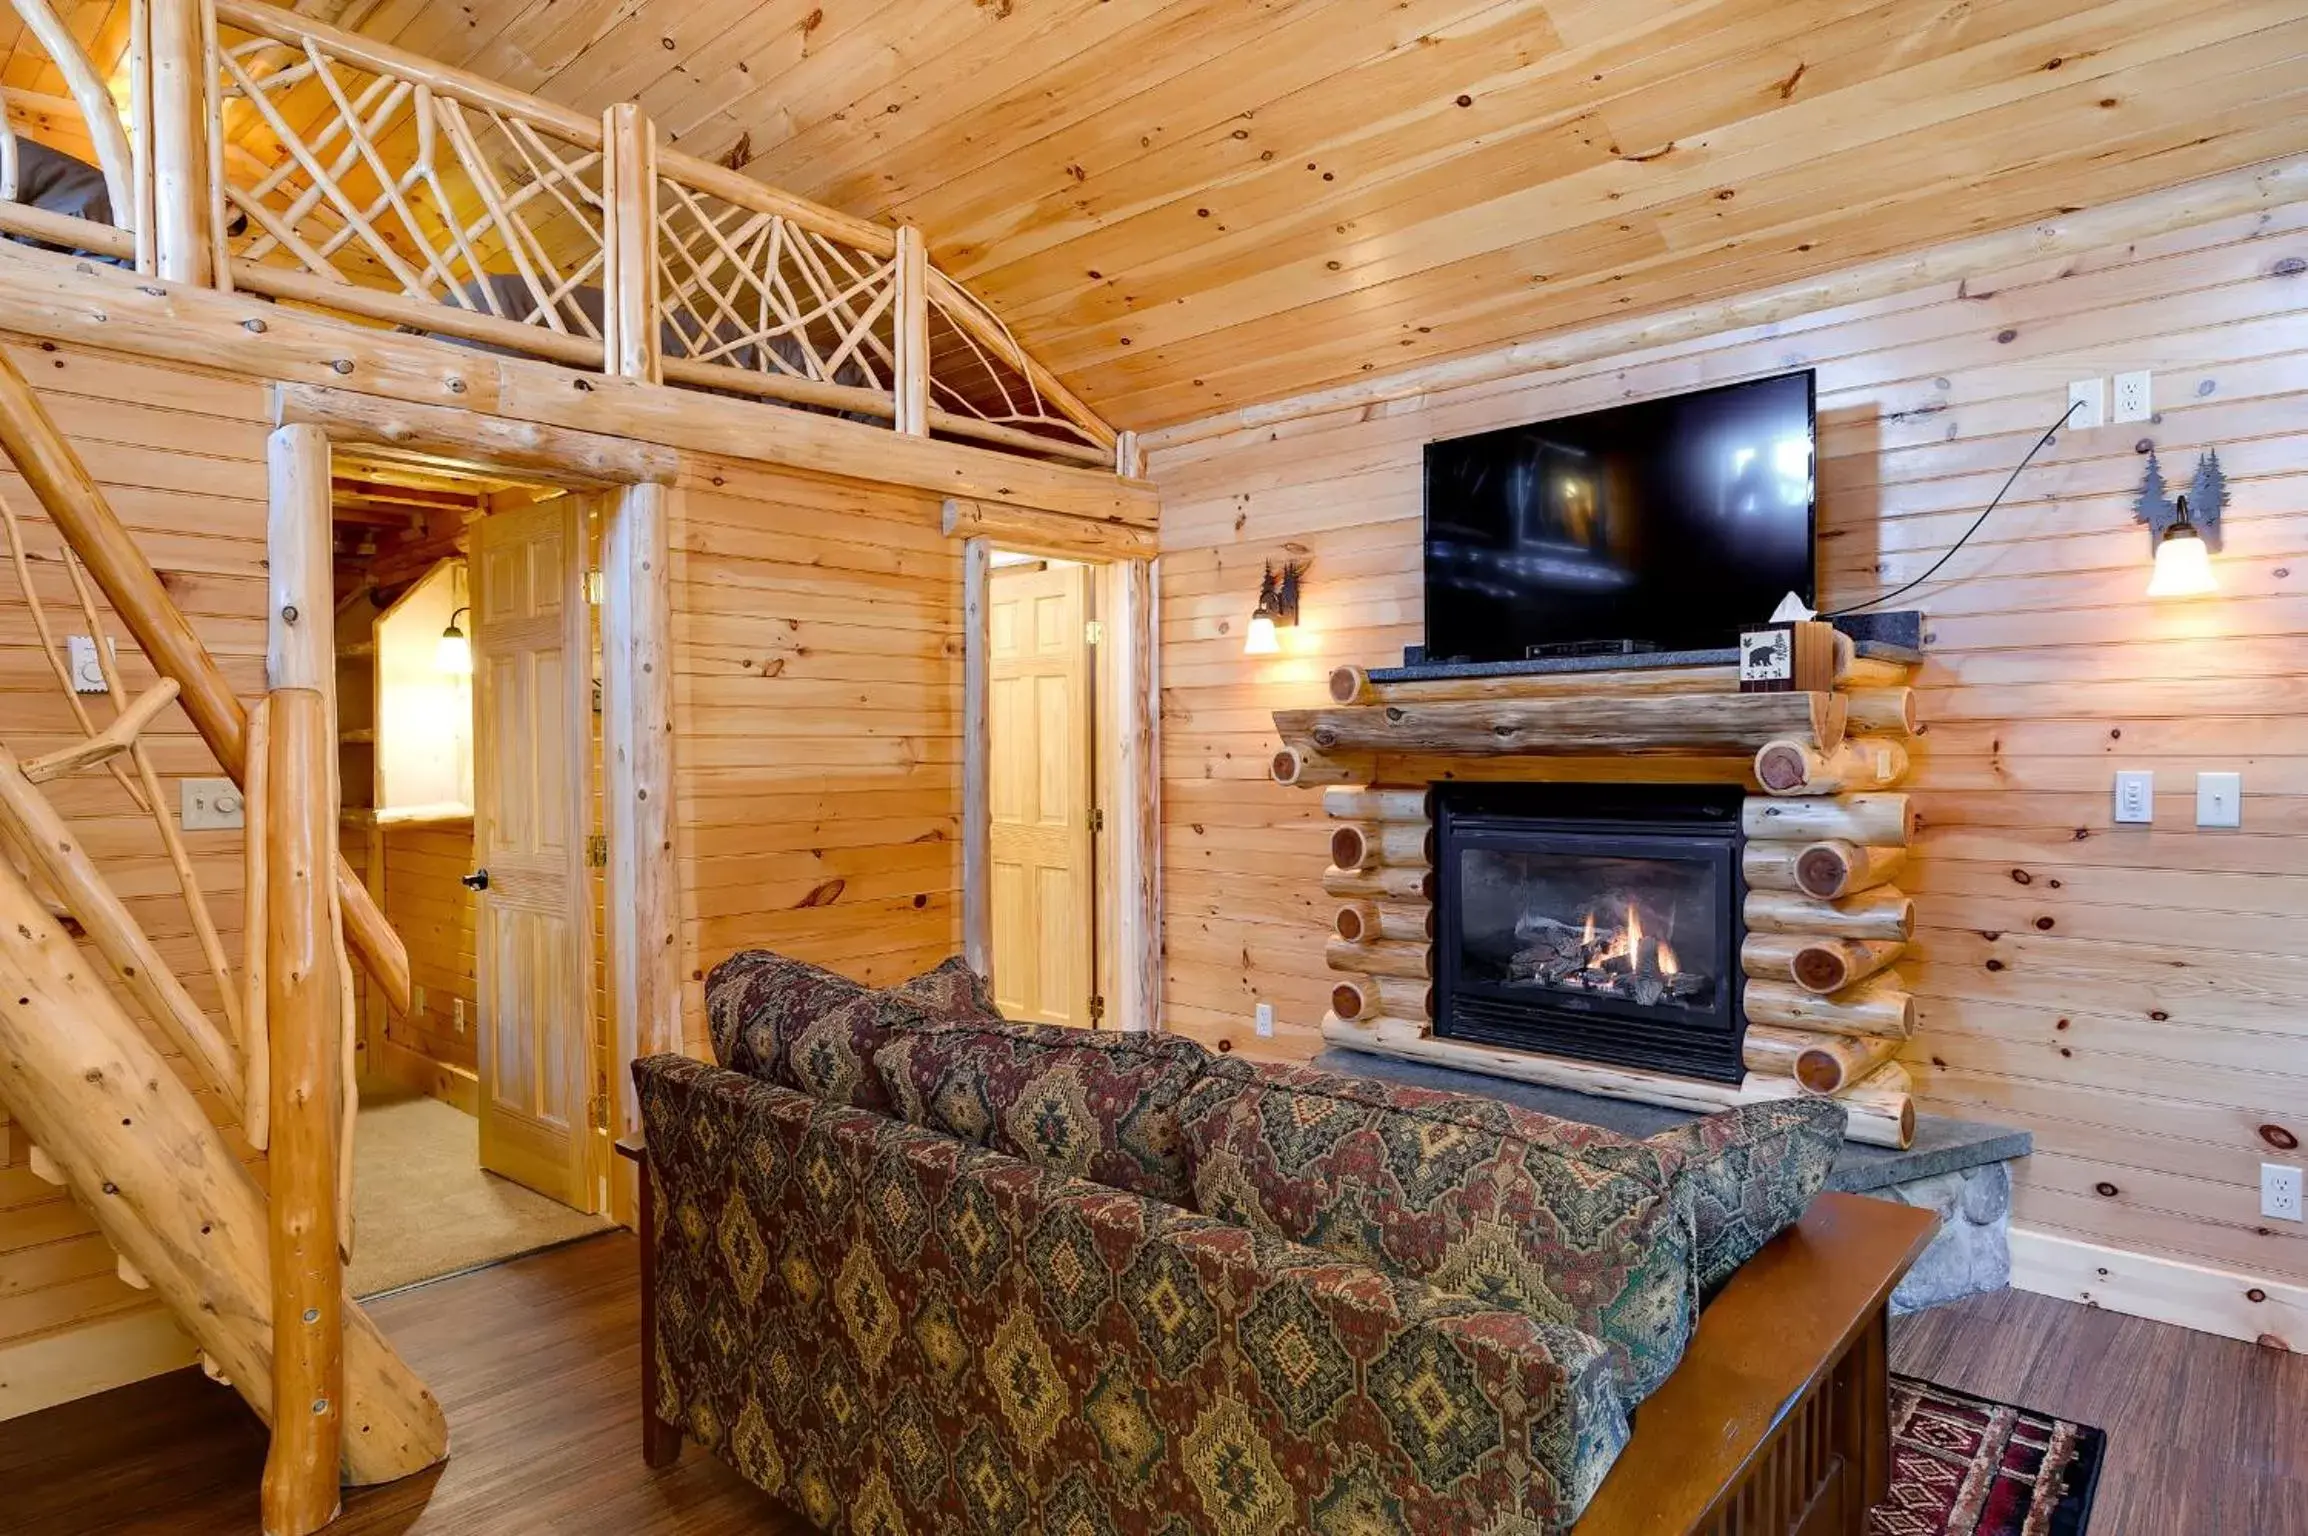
1658	526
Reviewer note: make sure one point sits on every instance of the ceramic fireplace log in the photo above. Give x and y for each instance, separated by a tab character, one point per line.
1587	725
1828	870
1300	767
1358	921
1377	803
1796	767
1890	711
1383	958
1880	1005
1398	844
1882	820
1883	913
1820	1064
1370	997
1380	884
1816	964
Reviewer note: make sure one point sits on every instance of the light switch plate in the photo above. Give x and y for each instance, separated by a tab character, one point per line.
2135	795
2133	402
2087	404
2219	799
1265	1020
211	805
87	676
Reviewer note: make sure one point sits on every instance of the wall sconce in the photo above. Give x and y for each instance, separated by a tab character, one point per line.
1277	608
453	653
2183	559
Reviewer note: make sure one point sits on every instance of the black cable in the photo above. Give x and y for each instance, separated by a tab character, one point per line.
1995	501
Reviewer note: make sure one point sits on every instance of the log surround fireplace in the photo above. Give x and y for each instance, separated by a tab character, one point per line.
1599	922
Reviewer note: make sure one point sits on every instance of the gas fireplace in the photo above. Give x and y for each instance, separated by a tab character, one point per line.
1598	922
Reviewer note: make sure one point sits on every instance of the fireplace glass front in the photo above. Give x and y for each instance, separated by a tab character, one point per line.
1592	921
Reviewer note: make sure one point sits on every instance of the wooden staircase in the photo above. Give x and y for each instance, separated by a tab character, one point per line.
256	1278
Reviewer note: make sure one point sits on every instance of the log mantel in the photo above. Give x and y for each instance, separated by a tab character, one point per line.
1592	725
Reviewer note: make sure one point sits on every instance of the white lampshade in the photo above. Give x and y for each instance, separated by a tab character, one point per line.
1261	640
454	653
2183	564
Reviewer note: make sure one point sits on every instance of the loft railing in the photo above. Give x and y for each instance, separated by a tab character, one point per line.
269	153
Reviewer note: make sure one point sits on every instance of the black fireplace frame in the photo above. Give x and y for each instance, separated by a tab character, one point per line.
1687	823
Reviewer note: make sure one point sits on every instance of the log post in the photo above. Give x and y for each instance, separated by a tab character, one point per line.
73	502
184	244
977	746
1793	767
912	363
303	998
632	344
643	893
256	921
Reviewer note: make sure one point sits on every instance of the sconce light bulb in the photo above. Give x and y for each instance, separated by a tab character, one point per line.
453	653
1261	639
2183	564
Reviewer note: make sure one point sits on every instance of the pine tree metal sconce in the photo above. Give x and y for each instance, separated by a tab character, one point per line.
2206	496
1277	608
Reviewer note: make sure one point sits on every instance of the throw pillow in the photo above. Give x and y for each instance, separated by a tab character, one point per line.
1753	1170
1102	1107
755	999
1563	1222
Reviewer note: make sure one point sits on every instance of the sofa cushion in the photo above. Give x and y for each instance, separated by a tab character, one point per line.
755	996
1098	1106
787	1022
1569	1223
1752	1172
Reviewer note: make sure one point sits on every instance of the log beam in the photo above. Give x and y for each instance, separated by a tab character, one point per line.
1588	725
1797	767
1881	820
1826	870
1883	913
1881	1005
1814	963
1380	884
1047	533
1358	922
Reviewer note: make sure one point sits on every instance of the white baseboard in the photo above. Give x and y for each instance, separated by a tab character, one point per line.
2165	1290
58	1367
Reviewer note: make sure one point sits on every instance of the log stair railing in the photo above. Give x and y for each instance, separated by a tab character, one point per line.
255	1275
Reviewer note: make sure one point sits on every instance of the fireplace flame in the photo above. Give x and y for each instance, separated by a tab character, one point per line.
1668	964
1589	936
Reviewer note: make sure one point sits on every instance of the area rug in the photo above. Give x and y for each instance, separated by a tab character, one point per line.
1963	1466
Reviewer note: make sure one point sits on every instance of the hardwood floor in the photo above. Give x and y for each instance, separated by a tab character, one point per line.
536	1364
2206	1436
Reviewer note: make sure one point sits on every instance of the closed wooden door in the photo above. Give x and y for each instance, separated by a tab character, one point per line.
1039	793
533	938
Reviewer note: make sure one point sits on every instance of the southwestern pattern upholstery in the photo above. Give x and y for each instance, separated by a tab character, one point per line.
1570	1223
1752	1172
1097	1106
788	1022
898	1332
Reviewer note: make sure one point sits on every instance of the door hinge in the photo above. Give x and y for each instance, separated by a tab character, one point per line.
1097	819
1097	1008
597	852
1093	632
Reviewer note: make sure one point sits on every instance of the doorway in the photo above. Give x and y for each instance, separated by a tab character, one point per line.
1042	789
466	665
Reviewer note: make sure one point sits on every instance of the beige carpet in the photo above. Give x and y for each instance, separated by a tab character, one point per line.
422	1205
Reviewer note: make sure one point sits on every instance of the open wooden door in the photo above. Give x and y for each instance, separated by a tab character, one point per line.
1039	791
533	751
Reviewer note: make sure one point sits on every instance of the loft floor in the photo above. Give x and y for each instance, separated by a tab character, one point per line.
535	1362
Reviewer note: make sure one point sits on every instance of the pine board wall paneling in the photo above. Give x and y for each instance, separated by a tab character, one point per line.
817	718
2136	996
428	905
181	456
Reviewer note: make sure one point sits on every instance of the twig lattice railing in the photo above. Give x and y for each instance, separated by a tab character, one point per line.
269	152
365	180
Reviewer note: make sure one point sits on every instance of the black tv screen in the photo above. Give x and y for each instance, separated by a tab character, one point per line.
1662	525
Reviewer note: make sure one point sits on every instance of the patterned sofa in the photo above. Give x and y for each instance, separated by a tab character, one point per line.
915	1269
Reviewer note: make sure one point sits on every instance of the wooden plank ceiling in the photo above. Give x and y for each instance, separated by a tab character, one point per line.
1189	205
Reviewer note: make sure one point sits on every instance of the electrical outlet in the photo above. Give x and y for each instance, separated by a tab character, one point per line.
2280	1191
2132	397
2135	795
210	805
1265	1021
2219	799
457	1014
2087	404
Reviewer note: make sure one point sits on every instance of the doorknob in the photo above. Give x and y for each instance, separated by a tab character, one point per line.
478	880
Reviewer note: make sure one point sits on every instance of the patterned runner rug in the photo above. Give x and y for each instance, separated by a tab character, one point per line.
1963	1466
